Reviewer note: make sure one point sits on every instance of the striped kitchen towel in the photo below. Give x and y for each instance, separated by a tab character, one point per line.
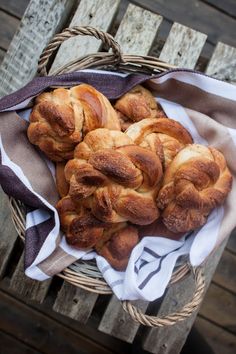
205	106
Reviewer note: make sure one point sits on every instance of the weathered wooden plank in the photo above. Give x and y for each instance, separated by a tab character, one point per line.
137	30
135	35
170	340
38	25
10	345
197	15
183	46
75	302
223	63
2	53
219	306
13	7
71	301
220	341
225	273
39	331
118	323
26	287
96	13
8	233
8	26
227	6
231	245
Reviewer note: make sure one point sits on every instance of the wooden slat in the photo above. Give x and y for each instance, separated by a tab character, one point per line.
170	339
231	245
38	25
197	15
75	302
2	53
135	35
13	346
225	275
137	30
219	306
8	234
40	331
96	13
183	46
13	7
223	63
118	323
228	6
71	301
8	26
219	340
26	287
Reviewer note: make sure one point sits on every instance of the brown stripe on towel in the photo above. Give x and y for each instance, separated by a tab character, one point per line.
56	262
23	153
219	108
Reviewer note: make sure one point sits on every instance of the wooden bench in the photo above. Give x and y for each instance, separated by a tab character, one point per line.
135	29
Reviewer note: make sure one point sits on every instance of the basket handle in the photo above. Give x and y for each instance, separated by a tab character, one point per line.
67	33
172	318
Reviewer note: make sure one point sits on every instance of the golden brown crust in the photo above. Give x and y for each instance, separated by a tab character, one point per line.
135	105
129	174
116	249
82	229
196	181
164	136
61	183
61	117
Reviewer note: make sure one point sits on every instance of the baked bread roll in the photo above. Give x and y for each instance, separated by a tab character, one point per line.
81	228
84	231
164	136
135	105
60	118
117	244
196	181
121	179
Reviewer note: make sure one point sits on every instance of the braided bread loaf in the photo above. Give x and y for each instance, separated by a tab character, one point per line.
196	181
61	117
135	105
117	180
164	136
84	231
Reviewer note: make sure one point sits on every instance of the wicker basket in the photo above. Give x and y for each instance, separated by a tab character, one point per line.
85	274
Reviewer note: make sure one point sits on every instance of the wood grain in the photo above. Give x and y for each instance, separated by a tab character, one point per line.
2	53
26	287
183	46
231	245
38	25
14	7
9	345
221	341
8	26
225	274
39	331
137	30
75	302
227	6
223	63
170	340
197	15
96	13
220	307
8	233
118	323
